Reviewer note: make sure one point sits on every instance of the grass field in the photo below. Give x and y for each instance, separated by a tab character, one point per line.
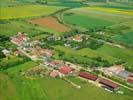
124	38
124	54
106	52
18	87
85	52
26	11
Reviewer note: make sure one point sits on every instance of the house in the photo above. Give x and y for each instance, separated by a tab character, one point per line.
17	52
48	52
54	74
56	63
54	38
88	76
6	52
65	70
38	51
78	38
108	84
19	38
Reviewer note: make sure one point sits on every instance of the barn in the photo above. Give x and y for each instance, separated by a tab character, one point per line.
109	84
88	76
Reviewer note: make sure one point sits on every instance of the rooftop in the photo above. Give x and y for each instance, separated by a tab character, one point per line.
65	69
88	76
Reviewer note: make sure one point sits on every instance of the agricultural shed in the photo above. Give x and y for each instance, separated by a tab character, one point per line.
88	76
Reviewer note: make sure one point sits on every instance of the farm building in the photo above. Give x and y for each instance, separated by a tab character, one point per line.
130	81
124	74
65	70
88	76
6	52
114	69
109	84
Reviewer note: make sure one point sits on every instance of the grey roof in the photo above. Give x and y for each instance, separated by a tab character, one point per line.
124	74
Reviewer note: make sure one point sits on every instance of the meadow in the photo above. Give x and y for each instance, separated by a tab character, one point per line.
106	52
84	52
119	53
26	11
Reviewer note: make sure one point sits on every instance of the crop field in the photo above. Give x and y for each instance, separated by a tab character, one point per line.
12	27
51	23
16	87
26	11
104	13
112	10
86	21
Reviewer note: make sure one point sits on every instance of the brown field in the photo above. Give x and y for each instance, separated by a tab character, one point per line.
51	23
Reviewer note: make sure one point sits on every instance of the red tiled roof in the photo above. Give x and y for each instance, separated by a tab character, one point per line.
88	76
130	81
131	75
65	69
54	74
108	83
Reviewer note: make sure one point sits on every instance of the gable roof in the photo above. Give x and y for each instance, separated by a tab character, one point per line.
65	70
88	76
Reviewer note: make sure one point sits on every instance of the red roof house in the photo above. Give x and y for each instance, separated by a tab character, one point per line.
108	83
65	70
88	76
54	74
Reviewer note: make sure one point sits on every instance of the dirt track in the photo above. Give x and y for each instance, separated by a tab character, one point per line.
51	23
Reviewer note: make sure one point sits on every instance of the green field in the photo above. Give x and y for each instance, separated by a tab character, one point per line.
121	53
85	52
106	52
16	87
12	27
124	38
86	21
26	11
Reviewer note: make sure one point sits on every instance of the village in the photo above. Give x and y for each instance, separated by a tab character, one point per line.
62	69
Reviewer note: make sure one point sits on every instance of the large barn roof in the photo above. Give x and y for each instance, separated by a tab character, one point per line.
88	76
108	83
